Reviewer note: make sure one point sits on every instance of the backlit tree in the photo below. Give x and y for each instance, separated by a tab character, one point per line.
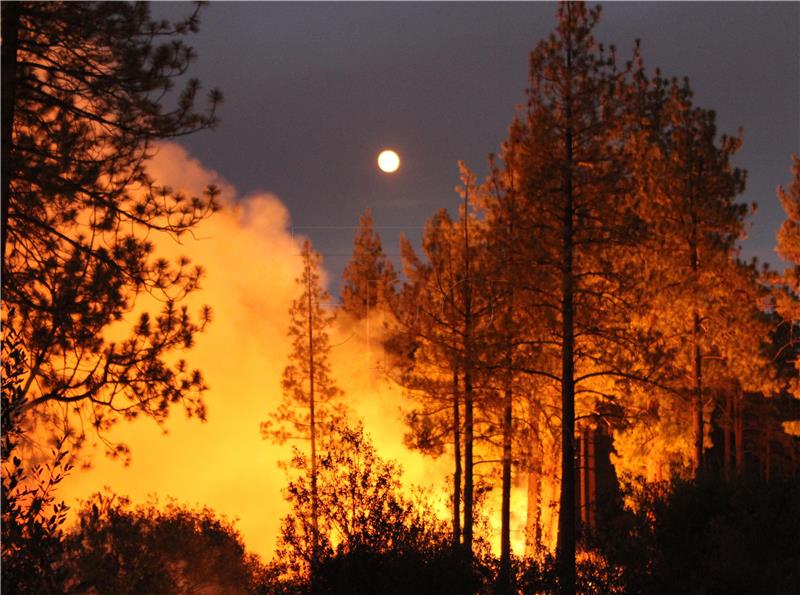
369	277
86	93
571	172
311	404
687	188
788	302
443	313
117	548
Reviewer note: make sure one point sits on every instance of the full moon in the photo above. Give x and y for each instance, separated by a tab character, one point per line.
388	161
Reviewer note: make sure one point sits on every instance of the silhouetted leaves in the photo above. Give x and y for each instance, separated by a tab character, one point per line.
31	516
116	548
86	94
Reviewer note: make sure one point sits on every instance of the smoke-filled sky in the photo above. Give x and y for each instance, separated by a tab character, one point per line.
251	260
313	92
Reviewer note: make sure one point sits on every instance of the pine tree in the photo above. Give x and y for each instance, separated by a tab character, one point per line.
85	95
501	209
468	312
788	300
311	405
687	191
789	234
426	353
571	172
442	313
369	276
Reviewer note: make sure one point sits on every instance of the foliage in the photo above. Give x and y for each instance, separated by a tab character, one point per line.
788	285
725	537
789	233
31	517
120	549
706	306
87	91
369	278
373	538
311	399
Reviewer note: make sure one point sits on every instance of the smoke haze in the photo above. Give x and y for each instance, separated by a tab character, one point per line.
251	259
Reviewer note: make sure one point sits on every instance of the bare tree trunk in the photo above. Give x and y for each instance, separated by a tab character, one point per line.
591	479
468	389
565	550
697	394
533	531
505	514
8	72
566	516
739	432
727	427
581	482
468	463
457	471
508	415
697	356
313	431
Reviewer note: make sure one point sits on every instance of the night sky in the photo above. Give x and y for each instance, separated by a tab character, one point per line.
314	91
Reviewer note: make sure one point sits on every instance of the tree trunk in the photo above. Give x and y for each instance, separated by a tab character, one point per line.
727	427
468	463
565	549
582	495
457	471
313	432
8	64
591	480
566	517
468	393
738	433
508	414
505	514
533	531
697	356
697	394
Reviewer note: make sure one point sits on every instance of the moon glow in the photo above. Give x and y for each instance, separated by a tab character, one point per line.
388	161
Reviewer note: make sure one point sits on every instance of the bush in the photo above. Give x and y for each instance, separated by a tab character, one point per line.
711	536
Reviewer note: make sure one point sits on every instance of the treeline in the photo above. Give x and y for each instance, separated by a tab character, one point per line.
591	285
585	318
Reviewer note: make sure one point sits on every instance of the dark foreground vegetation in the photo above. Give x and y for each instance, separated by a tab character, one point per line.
709	535
706	536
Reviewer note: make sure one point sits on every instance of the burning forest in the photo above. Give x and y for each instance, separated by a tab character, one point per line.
565	377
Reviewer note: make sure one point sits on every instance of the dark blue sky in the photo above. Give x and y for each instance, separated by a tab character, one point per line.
314	90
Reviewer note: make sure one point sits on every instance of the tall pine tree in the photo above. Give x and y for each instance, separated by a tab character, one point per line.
443	313
571	172
687	188
311	405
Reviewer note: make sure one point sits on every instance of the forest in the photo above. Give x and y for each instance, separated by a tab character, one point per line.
613	389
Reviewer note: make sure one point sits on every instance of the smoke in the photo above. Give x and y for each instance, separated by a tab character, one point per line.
251	259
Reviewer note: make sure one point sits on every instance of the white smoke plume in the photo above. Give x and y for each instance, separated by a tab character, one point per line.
251	259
